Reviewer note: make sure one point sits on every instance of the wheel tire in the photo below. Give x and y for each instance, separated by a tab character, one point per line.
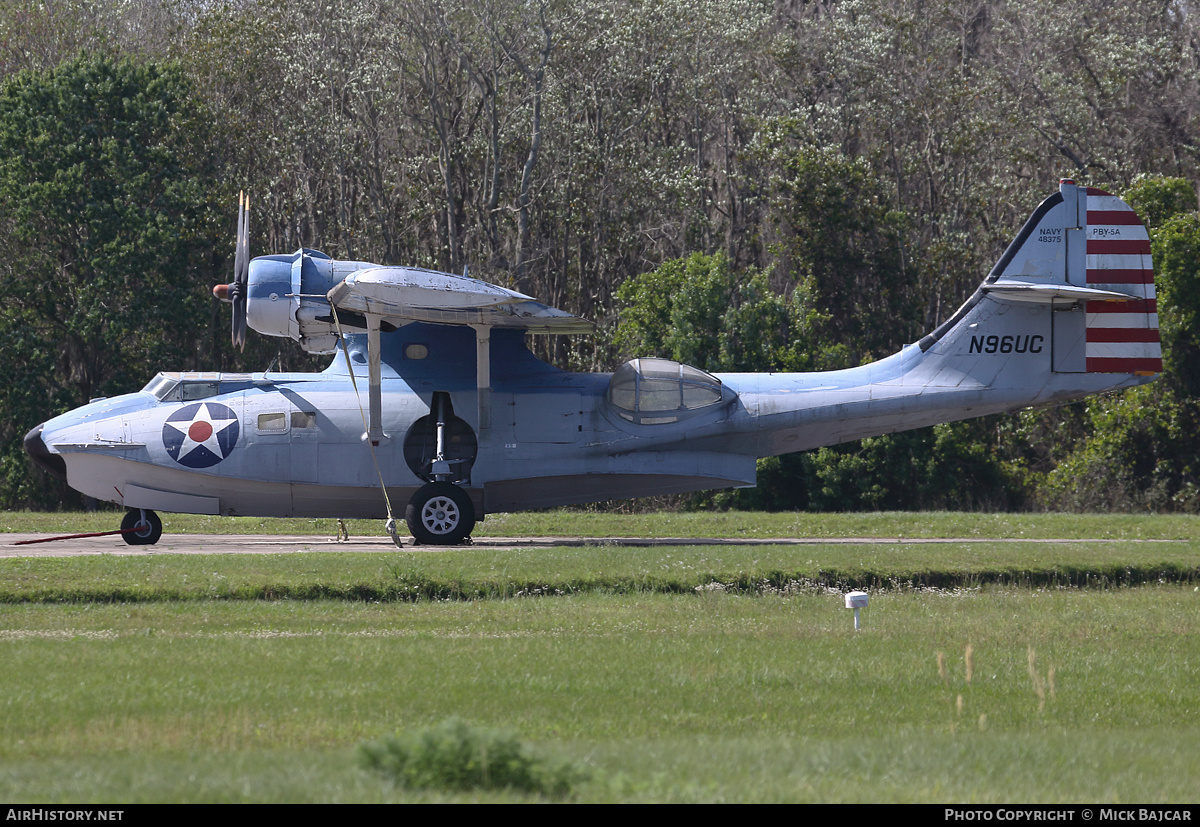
440	514
147	523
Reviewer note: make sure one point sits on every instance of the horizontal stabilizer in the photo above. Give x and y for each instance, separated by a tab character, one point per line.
1030	291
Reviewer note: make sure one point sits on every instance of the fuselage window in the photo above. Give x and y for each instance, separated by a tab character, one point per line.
272	422
660	391
304	419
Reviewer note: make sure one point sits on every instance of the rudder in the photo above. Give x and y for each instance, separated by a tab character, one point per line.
1120	336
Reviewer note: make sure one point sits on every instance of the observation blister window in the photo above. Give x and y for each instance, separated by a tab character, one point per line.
661	391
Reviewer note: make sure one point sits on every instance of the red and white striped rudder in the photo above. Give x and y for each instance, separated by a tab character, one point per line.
1121	336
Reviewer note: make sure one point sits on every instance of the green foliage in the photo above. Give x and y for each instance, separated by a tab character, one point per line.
107	179
107	187
949	466
1156	198
1141	454
1169	208
703	312
455	755
844	242
1176	248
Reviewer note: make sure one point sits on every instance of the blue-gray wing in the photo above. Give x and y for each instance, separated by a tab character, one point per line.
405	294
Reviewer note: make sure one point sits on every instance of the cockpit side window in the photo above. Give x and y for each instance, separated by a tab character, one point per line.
660	391
191	391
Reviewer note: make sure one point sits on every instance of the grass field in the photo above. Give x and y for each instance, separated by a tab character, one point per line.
681	674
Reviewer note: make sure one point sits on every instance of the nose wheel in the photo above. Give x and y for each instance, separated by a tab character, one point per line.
141	527
440	514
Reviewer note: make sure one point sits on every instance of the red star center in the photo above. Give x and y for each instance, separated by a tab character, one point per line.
200	431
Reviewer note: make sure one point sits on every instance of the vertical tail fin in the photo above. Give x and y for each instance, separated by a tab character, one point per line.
1084	255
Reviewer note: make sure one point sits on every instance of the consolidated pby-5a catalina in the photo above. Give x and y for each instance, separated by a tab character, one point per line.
462	420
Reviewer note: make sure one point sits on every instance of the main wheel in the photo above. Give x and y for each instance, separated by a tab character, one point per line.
142	527
440	514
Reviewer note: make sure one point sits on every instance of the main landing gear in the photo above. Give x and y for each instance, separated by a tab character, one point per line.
141	527
440	514
440	448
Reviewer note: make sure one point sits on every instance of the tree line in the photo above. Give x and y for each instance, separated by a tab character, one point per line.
740	184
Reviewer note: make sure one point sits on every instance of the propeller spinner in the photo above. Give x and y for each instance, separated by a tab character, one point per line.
235	291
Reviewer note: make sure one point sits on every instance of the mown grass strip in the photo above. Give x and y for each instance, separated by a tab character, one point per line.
505	573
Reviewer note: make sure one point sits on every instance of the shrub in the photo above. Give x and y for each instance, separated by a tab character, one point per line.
457	756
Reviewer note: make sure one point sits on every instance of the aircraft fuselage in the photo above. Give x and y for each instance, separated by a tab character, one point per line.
294	444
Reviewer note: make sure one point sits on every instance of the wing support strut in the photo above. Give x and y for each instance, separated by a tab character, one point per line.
483	373
375	433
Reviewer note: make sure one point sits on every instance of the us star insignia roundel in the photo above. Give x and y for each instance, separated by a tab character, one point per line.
200	435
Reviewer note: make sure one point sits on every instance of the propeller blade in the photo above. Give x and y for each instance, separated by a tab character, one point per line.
241	269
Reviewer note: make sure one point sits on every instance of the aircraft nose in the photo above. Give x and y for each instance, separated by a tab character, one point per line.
35	446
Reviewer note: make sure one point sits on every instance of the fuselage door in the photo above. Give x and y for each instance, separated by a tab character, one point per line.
304	439
266	422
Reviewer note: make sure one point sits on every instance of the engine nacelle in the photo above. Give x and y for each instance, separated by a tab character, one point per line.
286	297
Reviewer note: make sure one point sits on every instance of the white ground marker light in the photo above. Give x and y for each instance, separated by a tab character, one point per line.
856	601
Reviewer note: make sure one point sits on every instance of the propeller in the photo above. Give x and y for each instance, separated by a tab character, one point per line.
235	291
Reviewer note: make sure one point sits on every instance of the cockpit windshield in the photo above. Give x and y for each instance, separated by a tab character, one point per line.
659	391
160	386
